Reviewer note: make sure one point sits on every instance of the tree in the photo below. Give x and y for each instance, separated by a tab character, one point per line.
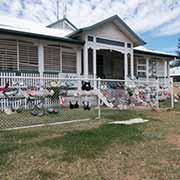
177	61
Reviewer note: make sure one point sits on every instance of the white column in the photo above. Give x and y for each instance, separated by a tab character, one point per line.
41	59
147	69
168	70
94	66
165	69
78	65
85	59
18	55
132	65
125	65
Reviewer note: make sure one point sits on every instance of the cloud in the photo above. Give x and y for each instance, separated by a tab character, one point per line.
162	16
169	29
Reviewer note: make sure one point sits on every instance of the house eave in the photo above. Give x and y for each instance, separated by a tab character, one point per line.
155	54
41	36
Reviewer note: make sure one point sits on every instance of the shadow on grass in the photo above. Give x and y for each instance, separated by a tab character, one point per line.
89	143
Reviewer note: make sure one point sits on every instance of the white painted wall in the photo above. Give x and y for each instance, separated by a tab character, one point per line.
110	31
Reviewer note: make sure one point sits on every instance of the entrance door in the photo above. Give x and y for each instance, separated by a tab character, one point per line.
117	65
100	66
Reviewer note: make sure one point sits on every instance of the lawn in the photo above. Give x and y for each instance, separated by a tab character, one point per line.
95	150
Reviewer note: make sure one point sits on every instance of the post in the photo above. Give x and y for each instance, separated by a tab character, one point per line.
99	101
94	67
132	65
41	62
85	54
165	70
125	65
41	59
172	92
147	69
157	92
85	59
79	59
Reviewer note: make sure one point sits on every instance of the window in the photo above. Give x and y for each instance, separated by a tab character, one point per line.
90	38
28	57
110	42
69	61
128	45
153	68
8	55
140	66
52	59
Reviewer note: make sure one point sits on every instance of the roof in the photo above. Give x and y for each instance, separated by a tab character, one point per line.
141	49
122	25
32	29
62	20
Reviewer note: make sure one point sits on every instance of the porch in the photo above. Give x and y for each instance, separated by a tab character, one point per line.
32	57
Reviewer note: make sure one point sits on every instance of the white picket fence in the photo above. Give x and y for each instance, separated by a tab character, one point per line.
33	79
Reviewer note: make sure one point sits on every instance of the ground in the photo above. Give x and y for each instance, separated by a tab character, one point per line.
95	150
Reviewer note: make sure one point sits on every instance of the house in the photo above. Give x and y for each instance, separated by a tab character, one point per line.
175	74
109	49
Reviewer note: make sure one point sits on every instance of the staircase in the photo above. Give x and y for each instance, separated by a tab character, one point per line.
104	99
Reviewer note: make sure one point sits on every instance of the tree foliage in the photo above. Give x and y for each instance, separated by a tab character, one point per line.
177	61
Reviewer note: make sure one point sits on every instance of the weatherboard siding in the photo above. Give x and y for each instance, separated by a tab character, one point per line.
112	32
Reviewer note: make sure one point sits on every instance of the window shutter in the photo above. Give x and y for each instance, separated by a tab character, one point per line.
28	57
52	59
8	55
69	61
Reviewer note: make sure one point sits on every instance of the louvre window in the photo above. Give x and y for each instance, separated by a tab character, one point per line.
52	59
8	55
141	66
153	68
28	57
68	61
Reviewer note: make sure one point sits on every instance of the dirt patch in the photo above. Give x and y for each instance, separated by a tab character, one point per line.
174	139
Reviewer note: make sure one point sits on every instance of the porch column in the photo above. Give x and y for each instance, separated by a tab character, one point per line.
125	65
85	59
168	70
78	64
132	65
147	69
41	59
94	66
165	69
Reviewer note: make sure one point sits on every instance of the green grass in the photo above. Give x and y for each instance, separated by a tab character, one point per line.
89	143
94	149
26	119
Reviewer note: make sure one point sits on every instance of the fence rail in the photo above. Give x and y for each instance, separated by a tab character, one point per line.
26	101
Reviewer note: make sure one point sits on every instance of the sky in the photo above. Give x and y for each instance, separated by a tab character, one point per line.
157	22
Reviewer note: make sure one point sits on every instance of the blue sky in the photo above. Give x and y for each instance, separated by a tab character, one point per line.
156	21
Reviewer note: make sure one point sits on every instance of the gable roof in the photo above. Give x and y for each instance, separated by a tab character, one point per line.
119	22
61	21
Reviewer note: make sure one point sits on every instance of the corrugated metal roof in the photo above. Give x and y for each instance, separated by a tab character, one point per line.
150	51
